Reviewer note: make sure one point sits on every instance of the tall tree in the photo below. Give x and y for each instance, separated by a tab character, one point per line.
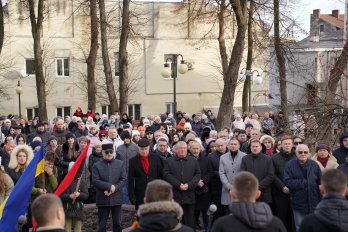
278	47
123	57
106	61
36	30
91	60
230	76
247	84
2	30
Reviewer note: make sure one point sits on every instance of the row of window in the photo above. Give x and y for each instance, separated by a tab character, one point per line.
134	111
62	66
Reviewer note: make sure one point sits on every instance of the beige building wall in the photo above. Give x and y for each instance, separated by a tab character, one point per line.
162	31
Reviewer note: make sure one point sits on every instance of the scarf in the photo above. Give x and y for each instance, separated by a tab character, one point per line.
145	163
323	161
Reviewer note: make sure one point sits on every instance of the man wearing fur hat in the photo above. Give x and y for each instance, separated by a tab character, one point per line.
109	176
143	168
160	212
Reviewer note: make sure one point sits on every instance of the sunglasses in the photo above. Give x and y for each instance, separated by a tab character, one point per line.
108	152
297	143
303	152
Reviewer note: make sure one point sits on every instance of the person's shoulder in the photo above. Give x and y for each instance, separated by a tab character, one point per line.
308	222
277	224
223	222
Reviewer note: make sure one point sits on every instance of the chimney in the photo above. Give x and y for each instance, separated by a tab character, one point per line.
335	13
316	13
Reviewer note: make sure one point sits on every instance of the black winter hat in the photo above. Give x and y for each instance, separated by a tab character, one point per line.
143	143
69	135
125	135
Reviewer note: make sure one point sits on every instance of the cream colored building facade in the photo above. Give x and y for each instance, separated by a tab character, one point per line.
162	30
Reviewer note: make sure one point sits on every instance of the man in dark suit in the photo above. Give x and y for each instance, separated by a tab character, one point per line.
143	168
261	166
183	173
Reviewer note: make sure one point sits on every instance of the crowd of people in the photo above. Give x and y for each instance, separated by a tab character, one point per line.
263	160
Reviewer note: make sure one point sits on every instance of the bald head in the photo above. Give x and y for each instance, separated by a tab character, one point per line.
221	145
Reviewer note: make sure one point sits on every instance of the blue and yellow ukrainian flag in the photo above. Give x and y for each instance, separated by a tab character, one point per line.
17	203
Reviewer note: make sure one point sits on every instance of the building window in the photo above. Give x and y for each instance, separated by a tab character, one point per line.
105	110
321	28
63	111
117	63
170	107
31	112
62	67
134	111
29	67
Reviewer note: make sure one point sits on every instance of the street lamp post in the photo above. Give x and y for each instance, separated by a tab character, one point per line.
19	91
171	71
249	74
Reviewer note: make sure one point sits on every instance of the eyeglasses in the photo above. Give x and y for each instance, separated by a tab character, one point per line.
108	152
303	152
297	143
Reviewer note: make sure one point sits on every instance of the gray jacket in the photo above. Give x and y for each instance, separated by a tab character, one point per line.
228	168
125	152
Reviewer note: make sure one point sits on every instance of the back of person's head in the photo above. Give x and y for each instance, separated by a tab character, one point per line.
48	210
245	187
334	181
158	190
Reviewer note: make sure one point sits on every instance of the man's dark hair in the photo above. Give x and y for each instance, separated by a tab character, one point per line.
158	190
286	137
334	181
50	156
44	208
245	185
162	140
242	132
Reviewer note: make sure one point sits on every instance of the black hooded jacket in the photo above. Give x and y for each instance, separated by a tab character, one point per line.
248	217
160	216
341	153
331	214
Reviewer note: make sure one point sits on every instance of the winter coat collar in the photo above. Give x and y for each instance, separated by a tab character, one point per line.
160	216
257	215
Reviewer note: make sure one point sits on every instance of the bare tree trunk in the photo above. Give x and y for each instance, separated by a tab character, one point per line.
36	30
106	61
336	73
281	62
91	60
231	74
2	30
221	38
123	81
247	82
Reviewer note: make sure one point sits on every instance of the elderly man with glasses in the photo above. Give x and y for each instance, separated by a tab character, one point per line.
109	176
302	176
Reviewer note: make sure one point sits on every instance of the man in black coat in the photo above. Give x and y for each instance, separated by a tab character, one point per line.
162	149
109	176
331	214
202	190
280	192
247	215
183	173
143	168
261	166
216	185
341	153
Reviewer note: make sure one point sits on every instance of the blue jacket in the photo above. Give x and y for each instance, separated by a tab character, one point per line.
304	191
107	173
